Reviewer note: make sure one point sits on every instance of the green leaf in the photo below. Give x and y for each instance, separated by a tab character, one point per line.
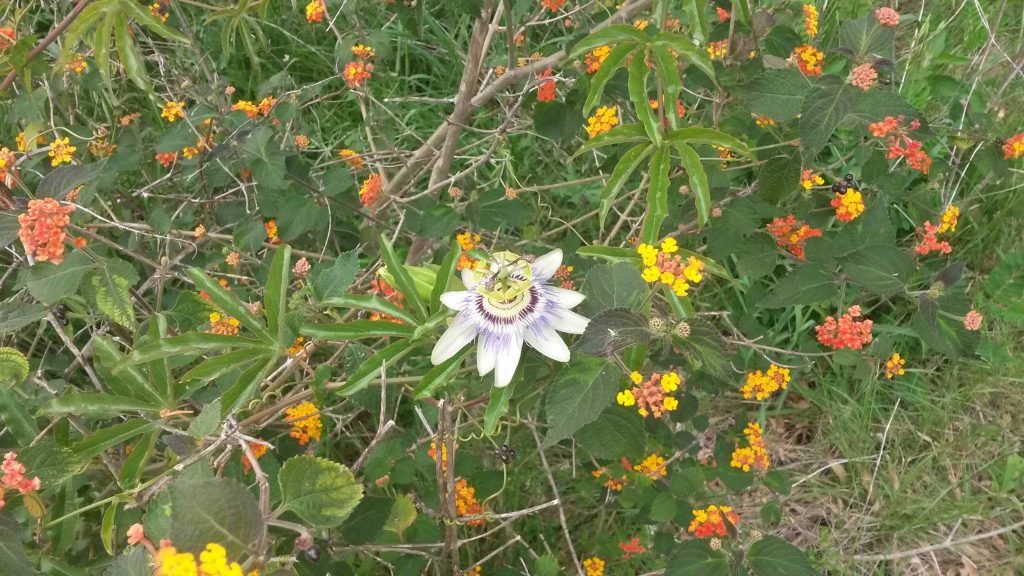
883	270
16	315
778	481
15	416
663	507
128	381
778	94
806	284
275	295
613	330
370	369
824	108
90	404
657	194
214	509
600	79
582	390
51	283
334	281
357	330
248	382
779	177
112	296
14	368
696	15
497	407
134	66
367	520
612	254
444	277
98	442
403	281
217	366
621	134
696	558
207	422
637	85
546	565
153	23
554	121
668	71
439	376
618	432
230	305
864	37
372	303
132	563
64	179
773	556
321	492
135	463
614	34
612	286
698	181
13	559
877	104
697	135
191	343
402	515
625	167
688	51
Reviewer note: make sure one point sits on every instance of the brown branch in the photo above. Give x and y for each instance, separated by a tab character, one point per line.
46	41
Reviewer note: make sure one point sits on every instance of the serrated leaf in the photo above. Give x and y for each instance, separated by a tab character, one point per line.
865	37
883	270
403	514
773	556
53	464
778	481
15	415
696	558
582	390
618	432
133	563
822	112
334	281
64	179
207	422
216	509
321	492
14	368
51	283
113	298
806	284
779	177
777	94
612	286
613	330
367	520
13	559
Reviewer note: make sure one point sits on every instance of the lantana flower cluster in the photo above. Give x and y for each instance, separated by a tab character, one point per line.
42	229
811	20
864	76
887	17
846	333
213	561
754	456
594	566
718	50
466	503
899	143
928	233
614	483
14	477
894	366
380	287
809	179
258	450
61	152
653	466
223	324
653	396
467	241
710	522
762	385
1013	148
665	266
369	191
546	87
848	205
790	234
603	120
360	69
596	57
305	421
315	11
809	59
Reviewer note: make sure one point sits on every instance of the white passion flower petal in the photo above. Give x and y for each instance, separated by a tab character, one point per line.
508	302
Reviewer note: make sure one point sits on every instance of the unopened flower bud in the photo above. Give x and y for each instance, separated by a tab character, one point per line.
684	189
716	544
756	535
936	290
716	212
682	330
656	324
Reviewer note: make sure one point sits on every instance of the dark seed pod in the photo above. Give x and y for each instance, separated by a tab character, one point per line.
839	187
504	453
848	178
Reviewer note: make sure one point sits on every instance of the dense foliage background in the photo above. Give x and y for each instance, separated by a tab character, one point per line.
229	228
